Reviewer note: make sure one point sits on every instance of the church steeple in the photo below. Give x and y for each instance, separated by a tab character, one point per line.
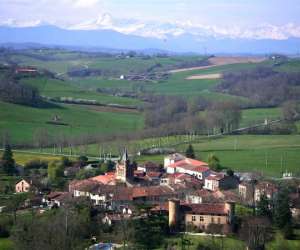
125	157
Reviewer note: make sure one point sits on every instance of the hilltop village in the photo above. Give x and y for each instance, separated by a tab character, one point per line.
191	196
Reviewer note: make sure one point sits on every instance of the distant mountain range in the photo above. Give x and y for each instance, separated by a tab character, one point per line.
180	42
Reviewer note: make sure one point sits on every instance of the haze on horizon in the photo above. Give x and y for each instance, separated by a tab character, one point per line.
271	19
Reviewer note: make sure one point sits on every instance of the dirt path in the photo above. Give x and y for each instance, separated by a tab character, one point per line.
204	77
218	61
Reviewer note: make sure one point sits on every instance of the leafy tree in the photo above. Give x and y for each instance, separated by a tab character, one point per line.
263	206
214	162
190	153
7	161
15	202
82	160
67	229
282	212
66	161
149	232
55	171
230	172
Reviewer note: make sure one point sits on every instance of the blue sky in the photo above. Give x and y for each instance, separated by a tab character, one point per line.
223	14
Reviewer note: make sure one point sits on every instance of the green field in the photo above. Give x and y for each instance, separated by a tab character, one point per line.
254	116
6	244
268	154
58	88
22	121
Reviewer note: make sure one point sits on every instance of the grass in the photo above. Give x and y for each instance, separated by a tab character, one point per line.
22	121
227	242
280	243
23	158
268	154
6	244
58	88
254	116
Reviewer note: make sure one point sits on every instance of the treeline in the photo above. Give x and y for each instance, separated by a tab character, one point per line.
175	115
11	90
264	86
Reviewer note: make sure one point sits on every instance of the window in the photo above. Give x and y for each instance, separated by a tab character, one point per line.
212	220
219	220
193	218
201	218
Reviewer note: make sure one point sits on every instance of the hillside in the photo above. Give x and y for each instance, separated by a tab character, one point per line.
119	94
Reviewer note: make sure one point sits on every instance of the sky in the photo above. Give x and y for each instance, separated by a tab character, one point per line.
223	15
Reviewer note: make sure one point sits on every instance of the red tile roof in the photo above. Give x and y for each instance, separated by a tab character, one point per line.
191	164
207	208
107	179
152	191
215	177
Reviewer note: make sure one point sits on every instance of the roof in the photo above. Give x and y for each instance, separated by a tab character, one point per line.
215	177
201	209
154	174
107	179
191	164
151	191
266	186
207	208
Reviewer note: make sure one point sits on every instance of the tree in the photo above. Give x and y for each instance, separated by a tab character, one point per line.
82	160
7	161
290	110
214	162
255	231
190	153
67	229
55	171
15	202
282	212
149	232
263	207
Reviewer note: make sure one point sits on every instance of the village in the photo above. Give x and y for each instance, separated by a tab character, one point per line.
194	198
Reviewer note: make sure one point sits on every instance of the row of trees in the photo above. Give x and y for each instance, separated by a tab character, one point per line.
262	85
11	90
176	114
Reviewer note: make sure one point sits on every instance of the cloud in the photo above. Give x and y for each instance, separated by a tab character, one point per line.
85	3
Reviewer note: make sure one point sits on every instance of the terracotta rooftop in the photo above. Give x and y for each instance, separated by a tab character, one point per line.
207	209
191	164
215	177
151	191
107	179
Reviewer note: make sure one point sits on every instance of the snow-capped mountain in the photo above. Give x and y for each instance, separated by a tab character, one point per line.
106	31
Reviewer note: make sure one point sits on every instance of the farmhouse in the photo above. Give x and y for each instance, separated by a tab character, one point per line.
220	181
177	164
198	217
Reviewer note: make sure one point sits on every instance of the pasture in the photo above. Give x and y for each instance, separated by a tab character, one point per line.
22	122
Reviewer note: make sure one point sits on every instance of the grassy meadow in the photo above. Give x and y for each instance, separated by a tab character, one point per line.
22	121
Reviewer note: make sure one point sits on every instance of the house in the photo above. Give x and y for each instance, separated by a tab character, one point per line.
180	178
219	181
108	178
199	217
24	186
246	192
180	164
171	159
150	167
56	199
153	194
198	196
266	188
